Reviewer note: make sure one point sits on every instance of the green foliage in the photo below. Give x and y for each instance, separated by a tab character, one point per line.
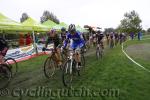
49	16
148	30
24	17
130	23
109	30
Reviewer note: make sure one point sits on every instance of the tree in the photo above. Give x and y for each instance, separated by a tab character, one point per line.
109	30
131	23
24	17
148	30
47	15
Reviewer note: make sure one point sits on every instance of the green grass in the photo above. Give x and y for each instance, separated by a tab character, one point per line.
114	71
137	55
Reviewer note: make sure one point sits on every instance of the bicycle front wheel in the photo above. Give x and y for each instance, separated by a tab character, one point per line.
49	67
97	53
67	74
5	75
13	65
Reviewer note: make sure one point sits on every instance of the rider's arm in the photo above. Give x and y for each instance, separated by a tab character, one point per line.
66	41
47	41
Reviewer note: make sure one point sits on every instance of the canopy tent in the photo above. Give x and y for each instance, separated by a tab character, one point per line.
6	24
35	25
59	26
49	24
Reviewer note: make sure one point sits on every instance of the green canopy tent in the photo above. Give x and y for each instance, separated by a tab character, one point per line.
35	27
59	26
50	24
6	24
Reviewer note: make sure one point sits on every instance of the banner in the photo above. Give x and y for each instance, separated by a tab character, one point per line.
24	53
19	53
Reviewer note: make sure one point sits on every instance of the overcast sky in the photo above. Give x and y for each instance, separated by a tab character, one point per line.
103	13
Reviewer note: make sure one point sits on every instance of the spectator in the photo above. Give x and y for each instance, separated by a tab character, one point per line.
28	39
21	40
139	35
132	35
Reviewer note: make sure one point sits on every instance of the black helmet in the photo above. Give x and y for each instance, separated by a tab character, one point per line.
63	29
72	28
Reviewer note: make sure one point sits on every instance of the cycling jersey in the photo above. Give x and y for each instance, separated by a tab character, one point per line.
77	40
111	35
54	40
3	44
63	36
116	36
3	47
99	37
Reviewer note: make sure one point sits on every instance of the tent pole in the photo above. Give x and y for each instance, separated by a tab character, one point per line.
34	44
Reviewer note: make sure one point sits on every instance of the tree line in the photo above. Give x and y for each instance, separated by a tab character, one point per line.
130	23
46	16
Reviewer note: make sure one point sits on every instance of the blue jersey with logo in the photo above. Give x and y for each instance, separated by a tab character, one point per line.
77	40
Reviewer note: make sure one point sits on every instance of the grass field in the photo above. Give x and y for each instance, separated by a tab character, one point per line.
113	72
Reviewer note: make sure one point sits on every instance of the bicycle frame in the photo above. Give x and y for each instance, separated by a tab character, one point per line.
71	58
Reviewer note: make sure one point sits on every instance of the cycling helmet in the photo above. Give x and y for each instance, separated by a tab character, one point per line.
63	29
72	28
51	31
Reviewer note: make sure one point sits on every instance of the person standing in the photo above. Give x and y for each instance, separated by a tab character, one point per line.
139	35
132	35
28	39
21	40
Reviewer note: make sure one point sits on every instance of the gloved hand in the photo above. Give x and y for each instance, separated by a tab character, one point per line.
43	49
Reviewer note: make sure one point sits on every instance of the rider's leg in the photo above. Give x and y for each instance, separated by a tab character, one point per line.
2	59
2	55
59	56
77	55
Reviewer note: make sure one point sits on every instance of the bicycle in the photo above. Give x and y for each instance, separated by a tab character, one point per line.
5	75
70	67
111	43
12	65
51	64
99	51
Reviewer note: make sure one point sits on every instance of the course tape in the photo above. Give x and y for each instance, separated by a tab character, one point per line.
134	60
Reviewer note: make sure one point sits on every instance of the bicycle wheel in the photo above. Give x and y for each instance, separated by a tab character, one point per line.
49	67
97	53
63	55
5	75
13	65
82	64
67	74
101	52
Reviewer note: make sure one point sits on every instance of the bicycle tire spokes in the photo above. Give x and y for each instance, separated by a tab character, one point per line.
13	65
5	75
97	53
67	74
49	67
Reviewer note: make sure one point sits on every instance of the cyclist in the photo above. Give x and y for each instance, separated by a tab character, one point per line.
63	34
77	41
107	37
54	38
121	38
3	49
94	38
111	40
99	38
116	38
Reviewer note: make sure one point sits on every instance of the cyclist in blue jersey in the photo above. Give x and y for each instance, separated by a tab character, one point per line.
77	41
